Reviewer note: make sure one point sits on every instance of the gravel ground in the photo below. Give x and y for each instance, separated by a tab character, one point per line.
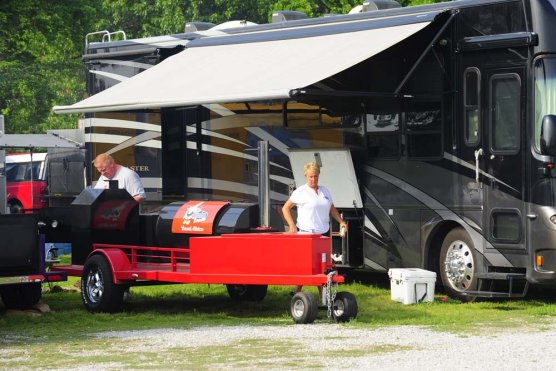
389	348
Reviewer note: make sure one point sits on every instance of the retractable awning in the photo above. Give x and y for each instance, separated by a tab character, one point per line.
29	141
255	66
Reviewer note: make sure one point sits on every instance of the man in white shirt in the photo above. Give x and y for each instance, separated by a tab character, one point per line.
127	179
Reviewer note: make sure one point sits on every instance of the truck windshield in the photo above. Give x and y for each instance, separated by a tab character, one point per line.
545	92
21	171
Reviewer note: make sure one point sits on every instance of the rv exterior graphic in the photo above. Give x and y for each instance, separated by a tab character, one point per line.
434	125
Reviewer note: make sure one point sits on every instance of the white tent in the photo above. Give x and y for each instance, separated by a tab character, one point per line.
30	141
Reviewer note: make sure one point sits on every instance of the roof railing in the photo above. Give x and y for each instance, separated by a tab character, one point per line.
106	36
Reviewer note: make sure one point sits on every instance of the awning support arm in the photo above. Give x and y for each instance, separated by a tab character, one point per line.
424	53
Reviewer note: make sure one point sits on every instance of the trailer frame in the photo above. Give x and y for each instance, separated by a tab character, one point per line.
246	263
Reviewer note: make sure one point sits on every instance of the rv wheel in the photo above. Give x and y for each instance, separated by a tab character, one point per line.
458	265
345	307
98	290
247	292
304	307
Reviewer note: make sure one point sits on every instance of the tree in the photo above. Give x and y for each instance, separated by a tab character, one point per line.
40	65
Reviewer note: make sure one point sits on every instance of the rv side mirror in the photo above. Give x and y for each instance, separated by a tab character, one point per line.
548	135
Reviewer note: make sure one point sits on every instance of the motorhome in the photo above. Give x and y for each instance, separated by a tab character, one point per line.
434	126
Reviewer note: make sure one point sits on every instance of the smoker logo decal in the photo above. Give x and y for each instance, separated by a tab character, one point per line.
113	214
196	217
193	215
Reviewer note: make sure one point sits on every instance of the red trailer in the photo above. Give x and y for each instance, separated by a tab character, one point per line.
245	263
196	242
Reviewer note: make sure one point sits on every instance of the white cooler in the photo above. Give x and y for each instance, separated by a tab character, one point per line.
411	285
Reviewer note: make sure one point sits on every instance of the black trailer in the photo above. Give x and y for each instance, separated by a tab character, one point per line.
23	260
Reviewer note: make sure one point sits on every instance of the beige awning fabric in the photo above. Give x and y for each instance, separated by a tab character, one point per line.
241	72
29	141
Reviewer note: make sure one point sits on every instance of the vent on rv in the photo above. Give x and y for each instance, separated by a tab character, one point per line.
287	15
370	5
198	26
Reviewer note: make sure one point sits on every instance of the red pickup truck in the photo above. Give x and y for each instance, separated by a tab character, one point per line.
26	182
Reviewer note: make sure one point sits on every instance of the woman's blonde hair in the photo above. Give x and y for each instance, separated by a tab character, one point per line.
311	166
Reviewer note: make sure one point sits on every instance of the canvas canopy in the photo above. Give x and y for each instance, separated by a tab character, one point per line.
253	67
29	141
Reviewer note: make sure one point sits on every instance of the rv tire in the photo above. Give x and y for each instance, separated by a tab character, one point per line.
458	265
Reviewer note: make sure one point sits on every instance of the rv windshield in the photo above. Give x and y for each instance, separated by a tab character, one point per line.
545	92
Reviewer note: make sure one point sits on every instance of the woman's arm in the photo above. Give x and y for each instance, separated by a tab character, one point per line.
286	210
336	215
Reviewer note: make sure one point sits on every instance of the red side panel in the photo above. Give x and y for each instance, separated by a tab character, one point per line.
260	254
196	217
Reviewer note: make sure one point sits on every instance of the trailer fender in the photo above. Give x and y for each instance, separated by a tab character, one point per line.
117	260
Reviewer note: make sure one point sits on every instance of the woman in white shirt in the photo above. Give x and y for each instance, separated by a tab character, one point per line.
314	206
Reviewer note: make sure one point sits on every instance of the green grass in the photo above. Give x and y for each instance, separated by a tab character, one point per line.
61	338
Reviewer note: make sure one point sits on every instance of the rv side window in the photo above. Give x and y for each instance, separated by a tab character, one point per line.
423	128
471	104
506	226
383	135
505	101
493	19
545	93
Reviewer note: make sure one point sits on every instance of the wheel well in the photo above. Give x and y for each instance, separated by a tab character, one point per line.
434	243
14	201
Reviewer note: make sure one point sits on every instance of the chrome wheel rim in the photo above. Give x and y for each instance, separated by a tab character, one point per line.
94	286
459	266
298	308
339	308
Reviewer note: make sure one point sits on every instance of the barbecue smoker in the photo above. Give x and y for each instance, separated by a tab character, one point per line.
115	246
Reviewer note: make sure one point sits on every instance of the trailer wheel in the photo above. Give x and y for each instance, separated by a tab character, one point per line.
304	307
458	265
98	290
247	292
21	296
344	307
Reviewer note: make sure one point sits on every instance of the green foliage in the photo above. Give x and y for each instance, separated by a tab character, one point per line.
39	61
317	8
